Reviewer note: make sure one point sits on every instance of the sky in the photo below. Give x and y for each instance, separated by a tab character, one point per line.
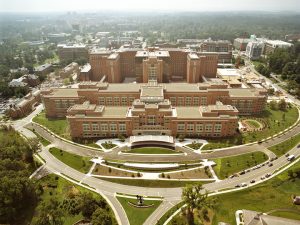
148	5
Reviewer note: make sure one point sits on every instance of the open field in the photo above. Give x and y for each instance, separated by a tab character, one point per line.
273	194
152	183
283	147
230	165
107	171
77	162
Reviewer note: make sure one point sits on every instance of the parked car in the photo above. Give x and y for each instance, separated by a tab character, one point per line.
271	164
243	184
291	158
268	175
262	178
252	181
237	186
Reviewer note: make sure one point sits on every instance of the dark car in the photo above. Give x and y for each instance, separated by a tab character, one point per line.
237	186
252	181
271	164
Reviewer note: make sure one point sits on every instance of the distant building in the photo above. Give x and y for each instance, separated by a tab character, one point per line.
254	50
241	43
43	69
85	73
25	105
292	37
223	48
21	70
69	70
59	37
26	80
271	45
72	52
20	82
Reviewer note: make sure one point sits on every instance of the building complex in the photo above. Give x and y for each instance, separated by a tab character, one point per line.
197	104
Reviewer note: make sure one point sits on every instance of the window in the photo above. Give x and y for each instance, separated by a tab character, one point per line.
151	120
122	127
131	99
180	127
124	101
208	128
116	101
190	127
173	100
218	127
86	127
95	127
180	101
199	127
109	101
188	101
57	104
203	100
64	104
104	127
101	101
196	101
113	127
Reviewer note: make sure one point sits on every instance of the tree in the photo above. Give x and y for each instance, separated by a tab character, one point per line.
273	105
282	105
49	213
88	205
195	198
101	217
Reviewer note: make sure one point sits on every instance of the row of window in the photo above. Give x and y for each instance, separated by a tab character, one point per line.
64	104
188	101
104	127
199	127
110	101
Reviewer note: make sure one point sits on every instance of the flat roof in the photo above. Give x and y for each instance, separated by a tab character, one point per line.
114	112
158	53
242	92
188	112
64	92
228	72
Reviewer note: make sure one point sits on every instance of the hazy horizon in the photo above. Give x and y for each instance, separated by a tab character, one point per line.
18	6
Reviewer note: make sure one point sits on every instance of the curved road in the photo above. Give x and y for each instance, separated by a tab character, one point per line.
171	195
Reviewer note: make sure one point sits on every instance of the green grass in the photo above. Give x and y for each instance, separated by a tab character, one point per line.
273	194
44	141
195	146
230	165
283	147
77	162
137	216
57	126
253	123
152	150
275	124
94	145
152	183
108	145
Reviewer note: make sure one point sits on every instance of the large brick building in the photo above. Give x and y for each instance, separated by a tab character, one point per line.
175	91
169	64
208	109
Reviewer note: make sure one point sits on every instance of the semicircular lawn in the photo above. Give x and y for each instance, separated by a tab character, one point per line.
152	150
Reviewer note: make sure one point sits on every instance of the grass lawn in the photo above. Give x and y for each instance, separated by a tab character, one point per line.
273	194
283	147
152	150
57	126
57	187
253	123
152	183
94	145
77	162
44	141
108	145
275	124
137	216
195	146
230	165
